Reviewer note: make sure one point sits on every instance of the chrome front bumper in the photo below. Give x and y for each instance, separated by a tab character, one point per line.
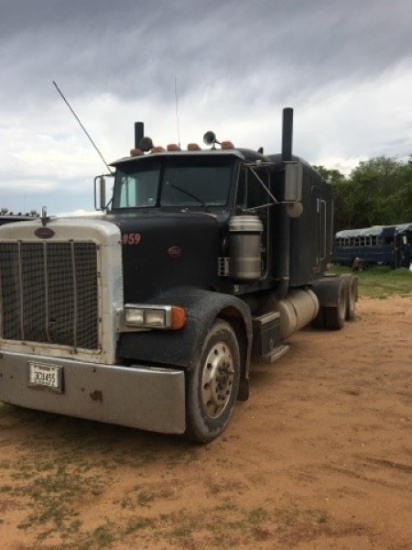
147	398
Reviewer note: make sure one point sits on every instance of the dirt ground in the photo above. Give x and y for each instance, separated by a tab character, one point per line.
320	457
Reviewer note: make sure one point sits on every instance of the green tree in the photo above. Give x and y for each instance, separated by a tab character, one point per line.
377	192
332	176
379	188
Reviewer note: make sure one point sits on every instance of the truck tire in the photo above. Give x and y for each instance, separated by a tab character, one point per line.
351	297
335	316
319	320
213	384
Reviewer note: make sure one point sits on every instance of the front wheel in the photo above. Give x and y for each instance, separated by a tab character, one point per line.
213	384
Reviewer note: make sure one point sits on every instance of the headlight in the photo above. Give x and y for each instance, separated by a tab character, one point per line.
134	316
154	316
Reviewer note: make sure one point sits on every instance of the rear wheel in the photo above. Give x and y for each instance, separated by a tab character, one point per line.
351	297
213	384
335	317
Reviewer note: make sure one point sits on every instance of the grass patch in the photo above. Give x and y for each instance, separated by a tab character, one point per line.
139	525
103	537
185	530
380	281
257	515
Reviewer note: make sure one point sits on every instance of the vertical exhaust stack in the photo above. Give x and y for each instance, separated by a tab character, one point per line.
138	133
284	245
287	134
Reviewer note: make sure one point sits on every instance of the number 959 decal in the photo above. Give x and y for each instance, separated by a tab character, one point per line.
131	238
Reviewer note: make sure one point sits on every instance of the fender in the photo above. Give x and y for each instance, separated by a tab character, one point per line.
327	290
182	348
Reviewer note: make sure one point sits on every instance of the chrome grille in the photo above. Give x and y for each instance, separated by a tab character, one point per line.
48	293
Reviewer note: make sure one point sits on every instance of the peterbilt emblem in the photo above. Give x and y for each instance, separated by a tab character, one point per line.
175	251
44	233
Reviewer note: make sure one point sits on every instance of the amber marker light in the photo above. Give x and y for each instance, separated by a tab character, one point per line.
178	318
173	147
227	145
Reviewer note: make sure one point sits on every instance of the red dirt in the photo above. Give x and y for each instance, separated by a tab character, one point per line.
320	457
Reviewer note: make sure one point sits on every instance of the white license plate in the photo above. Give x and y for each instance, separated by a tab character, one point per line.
45	375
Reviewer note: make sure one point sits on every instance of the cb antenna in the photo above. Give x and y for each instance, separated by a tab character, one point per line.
81	126
177	112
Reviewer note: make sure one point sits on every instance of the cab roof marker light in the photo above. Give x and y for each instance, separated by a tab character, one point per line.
227	145
135	152
173	147
193	147
158	149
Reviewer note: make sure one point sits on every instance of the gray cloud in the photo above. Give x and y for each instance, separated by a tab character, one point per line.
134	48
236	63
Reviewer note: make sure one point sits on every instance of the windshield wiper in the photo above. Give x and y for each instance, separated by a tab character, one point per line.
189	194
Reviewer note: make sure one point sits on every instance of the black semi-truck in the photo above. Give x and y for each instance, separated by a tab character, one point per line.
148	315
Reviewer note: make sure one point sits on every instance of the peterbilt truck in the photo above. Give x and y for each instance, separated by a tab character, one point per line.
149	313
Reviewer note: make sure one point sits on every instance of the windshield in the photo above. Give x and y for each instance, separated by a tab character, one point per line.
173	182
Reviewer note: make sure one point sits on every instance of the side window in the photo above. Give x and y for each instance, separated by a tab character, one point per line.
127	192
241	199
139	190
251	193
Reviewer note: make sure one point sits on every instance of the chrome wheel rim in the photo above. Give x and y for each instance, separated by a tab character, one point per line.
217	380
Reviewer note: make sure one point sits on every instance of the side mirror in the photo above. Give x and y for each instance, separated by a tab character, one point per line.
100	192
293	181
293	188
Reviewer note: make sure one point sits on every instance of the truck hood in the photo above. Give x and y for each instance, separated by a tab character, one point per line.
162	251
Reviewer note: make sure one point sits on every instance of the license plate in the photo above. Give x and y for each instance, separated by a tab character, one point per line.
49	376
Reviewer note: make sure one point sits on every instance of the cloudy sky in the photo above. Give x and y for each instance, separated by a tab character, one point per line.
187	66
